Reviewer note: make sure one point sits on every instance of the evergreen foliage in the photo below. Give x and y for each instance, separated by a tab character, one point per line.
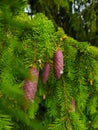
5	122
79	18
26	42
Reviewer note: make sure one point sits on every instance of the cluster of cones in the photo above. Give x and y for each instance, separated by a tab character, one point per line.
30	85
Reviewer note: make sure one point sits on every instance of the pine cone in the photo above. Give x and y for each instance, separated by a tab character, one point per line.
30	85
73	105
45	73
58	63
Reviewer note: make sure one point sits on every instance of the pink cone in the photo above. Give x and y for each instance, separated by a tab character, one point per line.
30	85
45	73
58	63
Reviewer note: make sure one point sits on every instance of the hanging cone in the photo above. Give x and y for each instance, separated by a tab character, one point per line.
58	63
73	105
30	85
45	73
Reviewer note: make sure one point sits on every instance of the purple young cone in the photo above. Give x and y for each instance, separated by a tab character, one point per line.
45	73
30	85
73	105
58	63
